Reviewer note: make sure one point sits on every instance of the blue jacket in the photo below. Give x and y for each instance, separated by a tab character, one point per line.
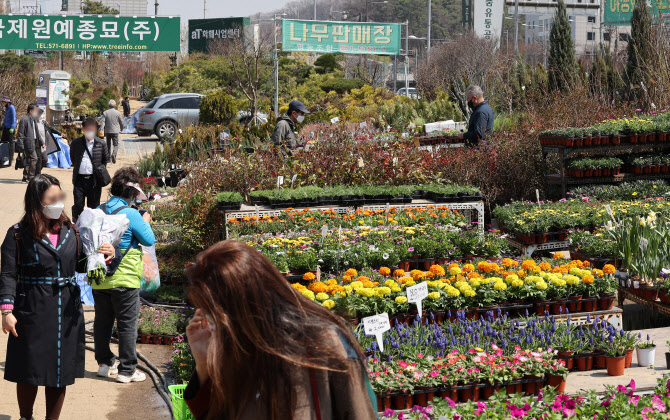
138	227
10	117
481	122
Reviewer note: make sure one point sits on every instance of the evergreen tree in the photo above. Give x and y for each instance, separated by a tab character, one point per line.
126	89
562	63
641	55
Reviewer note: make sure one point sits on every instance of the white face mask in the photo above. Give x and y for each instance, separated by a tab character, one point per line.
53	211
35	115
89	134
300	118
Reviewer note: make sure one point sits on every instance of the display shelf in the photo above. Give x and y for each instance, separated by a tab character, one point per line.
528	249
656	306
556	179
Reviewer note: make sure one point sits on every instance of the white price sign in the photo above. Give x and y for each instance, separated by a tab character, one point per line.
334	121
644	244
416	294
280	181
377	325
608	209
364	124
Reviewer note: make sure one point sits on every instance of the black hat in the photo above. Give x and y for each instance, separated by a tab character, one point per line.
297	106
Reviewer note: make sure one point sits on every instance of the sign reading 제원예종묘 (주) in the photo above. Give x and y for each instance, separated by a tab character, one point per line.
89	33
341	37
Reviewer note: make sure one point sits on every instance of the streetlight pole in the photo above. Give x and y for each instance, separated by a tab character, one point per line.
314	9
516	26
407	58
276	71
204	9
430	4
156	8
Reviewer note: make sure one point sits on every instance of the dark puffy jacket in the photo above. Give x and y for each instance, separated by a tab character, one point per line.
284	134
481	122
77	150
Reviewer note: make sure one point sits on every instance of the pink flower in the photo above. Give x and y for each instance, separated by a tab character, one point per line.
403	364
631	385
647	410
658	404
634	400
419	355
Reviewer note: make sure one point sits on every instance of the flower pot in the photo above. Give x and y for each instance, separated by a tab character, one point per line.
541	307
424	398
472	314
512	389
585	363
589	305
600	361
401	402
645	357
667	360
386	402
487	392
575	304
605	302
558	306
144	338
532	388
629	358
633	138
569	363
452	394
469	393
156	339
557	382
615	365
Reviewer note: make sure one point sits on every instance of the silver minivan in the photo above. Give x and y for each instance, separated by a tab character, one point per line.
165	114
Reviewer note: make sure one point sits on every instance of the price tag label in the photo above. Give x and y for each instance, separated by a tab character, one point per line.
636	284
537	194
364	124
293	179
395	161
280	181
416	294
334	121
148	173
608	209
377	325
163	181
324	231
152	208
318	273
173	166
360	162
644	244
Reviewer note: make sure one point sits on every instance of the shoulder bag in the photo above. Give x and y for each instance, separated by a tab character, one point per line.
101	175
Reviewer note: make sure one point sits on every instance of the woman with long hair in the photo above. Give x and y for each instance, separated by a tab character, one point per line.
40	299
264	351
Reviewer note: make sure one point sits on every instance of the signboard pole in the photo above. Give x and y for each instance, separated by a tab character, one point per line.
276	71
407	58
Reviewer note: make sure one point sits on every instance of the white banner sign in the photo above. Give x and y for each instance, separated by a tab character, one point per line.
488	19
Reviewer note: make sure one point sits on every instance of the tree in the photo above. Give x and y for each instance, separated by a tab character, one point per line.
327	63
641	55
217	108
562	64
92	7
125	88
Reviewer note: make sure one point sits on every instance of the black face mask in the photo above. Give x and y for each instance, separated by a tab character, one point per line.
471	104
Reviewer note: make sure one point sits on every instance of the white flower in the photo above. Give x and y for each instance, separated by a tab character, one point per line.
385	256
346	263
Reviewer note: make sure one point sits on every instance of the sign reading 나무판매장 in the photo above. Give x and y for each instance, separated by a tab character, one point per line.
341	37
89	33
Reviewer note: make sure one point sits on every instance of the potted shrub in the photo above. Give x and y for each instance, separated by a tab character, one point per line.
646	352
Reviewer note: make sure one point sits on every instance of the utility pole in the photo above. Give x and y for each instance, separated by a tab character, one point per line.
516	26
204	9
156	8
407	58
60	60
430	4
276	72
314	9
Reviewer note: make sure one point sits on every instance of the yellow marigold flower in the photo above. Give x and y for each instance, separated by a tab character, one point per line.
322	296
432	283
558	255
410	283
474	282
609	269
452	265
588	279
400	300
355	285
398	273
541	285
454	271
395	289
469	293
485	281
434	295
389	283
352	273
348	289
404	280
384	271
368	293
468	268
328	304
308	294
346	279
309	276
528	264
298	286
517	283
453	292
437	270
382	291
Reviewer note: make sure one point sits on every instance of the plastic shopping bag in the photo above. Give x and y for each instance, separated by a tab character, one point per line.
151	279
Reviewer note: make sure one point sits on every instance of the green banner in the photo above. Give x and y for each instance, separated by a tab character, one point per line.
89	33
466	9
619	12
203	31
341	37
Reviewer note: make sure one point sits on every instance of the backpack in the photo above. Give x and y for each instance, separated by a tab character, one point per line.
118	256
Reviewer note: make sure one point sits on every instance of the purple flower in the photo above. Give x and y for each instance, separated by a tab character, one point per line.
410	249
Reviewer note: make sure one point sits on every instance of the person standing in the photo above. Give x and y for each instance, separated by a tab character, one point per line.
283	136
29	142
481	120
118	296
9	126
46	133
40	300
113	125
87	153
125	103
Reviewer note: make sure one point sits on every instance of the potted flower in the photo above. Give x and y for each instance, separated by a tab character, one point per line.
566	344
646	352
615	358
667	355
589	293
557	373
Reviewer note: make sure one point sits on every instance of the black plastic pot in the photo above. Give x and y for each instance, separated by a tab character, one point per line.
667	360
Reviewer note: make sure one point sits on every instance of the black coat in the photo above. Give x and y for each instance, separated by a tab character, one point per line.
78	148
50	347
26	138
480	124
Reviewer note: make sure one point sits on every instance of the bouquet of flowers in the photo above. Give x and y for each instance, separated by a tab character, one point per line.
97	228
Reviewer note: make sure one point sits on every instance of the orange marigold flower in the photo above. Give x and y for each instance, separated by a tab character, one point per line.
384	271
506	262
452	265
545	266
363	278
587	264
331	282
609	269
351	272
318	287
473	275
309	276
521	274
298	286
588	279
399	273
468	268
437	270
528	264
558	255
346	279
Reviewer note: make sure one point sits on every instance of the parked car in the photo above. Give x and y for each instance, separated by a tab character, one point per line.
245	117
165	114
413	93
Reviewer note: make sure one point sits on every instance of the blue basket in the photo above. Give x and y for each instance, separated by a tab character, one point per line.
179	407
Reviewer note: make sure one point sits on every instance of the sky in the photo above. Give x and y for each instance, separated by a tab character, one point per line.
189	9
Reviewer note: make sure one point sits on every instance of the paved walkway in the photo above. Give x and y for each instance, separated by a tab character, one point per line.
89	398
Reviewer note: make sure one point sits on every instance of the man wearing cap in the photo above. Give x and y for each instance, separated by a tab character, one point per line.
9	126
284	136
113	125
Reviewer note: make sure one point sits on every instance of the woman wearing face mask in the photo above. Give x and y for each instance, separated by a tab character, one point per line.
118	296
263	351
39	299
87	153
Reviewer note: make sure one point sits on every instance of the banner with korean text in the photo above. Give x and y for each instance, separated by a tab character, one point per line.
89	33
620	12
341	37
488	19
